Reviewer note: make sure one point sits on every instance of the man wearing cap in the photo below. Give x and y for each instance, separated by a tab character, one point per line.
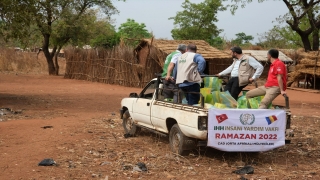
169	84
276	83
187	71
244	70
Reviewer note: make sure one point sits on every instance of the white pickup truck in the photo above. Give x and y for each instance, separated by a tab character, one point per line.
186	125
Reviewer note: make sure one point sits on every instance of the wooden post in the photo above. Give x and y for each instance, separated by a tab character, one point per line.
305	81
315	70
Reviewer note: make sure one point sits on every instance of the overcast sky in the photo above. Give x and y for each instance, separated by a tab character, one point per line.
255	19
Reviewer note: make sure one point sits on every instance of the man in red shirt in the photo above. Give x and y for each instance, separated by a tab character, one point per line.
276	83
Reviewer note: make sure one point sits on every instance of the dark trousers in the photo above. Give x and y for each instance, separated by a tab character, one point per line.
171	91
192	93
234	88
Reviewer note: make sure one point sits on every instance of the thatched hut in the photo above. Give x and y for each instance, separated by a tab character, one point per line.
308	70
156	50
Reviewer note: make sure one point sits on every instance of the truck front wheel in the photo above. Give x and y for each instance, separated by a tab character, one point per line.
177	139
128	124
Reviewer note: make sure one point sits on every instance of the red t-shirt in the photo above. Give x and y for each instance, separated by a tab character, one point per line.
277	67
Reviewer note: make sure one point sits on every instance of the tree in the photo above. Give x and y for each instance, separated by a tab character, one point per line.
31	39
217	42
57	21
133	31
298	11
197	21
104	35
241	39
280	37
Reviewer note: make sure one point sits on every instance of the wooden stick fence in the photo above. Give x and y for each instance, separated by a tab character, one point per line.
117	66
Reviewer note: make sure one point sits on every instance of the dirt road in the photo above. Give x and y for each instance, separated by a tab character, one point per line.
86	138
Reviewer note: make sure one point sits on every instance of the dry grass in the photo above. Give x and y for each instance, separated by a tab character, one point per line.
25	62
168	46
89	141
156	50
305	67
293	161
309	62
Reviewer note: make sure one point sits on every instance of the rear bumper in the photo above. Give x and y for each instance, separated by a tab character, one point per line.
193	133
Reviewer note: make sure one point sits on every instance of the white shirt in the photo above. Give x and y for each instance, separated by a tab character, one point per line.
234	70
175	57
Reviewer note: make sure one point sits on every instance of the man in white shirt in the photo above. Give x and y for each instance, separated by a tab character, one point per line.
169	85
244	70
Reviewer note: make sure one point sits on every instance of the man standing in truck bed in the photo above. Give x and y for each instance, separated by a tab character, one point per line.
169	84
244	70
188	69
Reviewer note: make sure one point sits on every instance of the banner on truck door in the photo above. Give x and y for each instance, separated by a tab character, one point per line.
246	129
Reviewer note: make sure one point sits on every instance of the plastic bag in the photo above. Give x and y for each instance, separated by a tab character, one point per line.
205	92
228	100
252	103
208	99
242	102
168	99
216	97
223	98
213	83
184	101
255	101
219	106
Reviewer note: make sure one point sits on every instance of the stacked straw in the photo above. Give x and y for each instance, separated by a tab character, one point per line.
307	67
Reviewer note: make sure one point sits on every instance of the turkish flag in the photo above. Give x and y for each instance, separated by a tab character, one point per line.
221	118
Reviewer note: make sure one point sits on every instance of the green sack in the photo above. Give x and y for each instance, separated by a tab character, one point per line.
209	99
216	97
228	100
254	102
205	92
222	98
168	99
242	102
219	106
214	83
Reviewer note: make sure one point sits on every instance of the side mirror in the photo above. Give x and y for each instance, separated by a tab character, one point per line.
134	95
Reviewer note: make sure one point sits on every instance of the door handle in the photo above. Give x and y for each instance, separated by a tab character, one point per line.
148	104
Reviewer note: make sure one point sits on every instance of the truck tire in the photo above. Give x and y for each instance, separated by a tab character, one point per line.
176	140
128	124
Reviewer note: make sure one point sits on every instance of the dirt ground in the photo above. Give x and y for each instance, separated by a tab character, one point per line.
77	124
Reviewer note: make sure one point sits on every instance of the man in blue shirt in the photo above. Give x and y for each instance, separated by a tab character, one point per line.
187	73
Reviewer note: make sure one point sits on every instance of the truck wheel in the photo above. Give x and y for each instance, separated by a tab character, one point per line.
128	124
176	139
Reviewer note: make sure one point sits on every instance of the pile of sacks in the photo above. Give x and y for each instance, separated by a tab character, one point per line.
213	97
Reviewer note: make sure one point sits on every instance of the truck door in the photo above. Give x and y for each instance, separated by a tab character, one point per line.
142	106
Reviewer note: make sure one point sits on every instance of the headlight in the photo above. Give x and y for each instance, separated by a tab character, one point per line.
202	123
